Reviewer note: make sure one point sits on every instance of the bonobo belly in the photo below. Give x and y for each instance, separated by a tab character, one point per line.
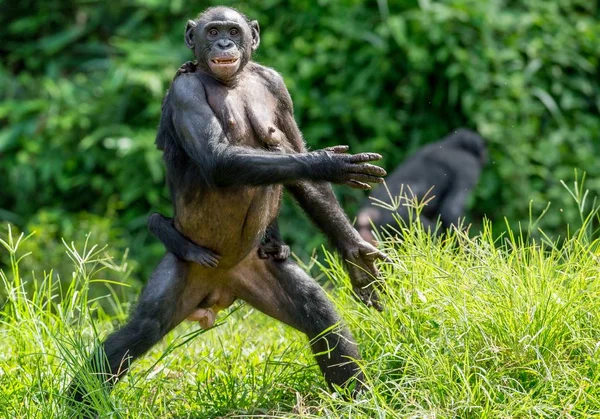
228	221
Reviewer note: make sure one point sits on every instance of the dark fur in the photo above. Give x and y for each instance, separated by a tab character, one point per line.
226	190
164	229
449	169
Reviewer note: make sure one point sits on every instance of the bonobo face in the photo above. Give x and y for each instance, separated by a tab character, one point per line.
223	42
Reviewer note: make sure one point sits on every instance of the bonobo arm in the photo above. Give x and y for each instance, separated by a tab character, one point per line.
163	229
320	204
202	138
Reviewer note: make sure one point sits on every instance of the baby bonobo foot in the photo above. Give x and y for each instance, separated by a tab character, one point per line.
175	242
272	245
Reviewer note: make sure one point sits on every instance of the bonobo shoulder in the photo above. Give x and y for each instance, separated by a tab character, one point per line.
269	75
187	89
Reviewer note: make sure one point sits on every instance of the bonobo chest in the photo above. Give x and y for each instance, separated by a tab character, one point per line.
247	112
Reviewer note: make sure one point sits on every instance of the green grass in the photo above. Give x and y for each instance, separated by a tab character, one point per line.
473	327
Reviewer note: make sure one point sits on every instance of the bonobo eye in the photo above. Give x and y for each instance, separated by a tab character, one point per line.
213	32
233	32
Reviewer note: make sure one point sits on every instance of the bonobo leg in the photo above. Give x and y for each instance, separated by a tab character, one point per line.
163	304
284	291
163	229
273	245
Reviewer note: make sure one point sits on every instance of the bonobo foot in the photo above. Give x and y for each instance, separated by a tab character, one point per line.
175	242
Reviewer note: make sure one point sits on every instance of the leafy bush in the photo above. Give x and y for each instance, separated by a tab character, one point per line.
83	81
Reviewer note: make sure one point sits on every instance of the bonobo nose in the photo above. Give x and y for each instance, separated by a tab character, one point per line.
224	43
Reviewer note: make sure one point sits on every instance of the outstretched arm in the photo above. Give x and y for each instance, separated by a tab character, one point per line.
201	136
319	202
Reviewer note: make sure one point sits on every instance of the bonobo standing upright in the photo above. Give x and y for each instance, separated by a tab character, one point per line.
446	171
226	189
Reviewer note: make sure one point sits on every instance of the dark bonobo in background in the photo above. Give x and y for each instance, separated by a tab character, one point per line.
448	169
217	128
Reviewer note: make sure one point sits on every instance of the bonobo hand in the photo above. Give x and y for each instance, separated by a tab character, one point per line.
350	169
360	260
201	255
277	250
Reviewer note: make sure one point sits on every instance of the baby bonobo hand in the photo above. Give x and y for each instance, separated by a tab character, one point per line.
351	169
278	251
273	245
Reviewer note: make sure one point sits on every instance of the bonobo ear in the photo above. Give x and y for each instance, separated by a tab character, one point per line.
255	30
189	33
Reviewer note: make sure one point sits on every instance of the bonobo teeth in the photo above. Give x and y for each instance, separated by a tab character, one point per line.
224	60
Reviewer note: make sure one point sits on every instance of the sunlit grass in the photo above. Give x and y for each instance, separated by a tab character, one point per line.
473	327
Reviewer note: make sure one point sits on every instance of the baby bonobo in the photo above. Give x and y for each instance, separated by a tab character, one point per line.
226	188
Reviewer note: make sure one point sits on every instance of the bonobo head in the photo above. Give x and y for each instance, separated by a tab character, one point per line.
223	41
470	141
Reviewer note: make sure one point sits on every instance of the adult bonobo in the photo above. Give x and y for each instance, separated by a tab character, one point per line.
217	129
448	169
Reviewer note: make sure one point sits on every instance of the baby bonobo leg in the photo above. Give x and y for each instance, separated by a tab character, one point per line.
273	245
285	292
163	229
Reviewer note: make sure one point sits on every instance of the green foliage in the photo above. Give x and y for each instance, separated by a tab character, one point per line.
473	327
83	82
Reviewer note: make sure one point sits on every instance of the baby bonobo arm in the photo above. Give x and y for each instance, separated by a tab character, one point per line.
163	229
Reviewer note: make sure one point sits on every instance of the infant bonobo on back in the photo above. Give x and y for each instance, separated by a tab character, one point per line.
226	190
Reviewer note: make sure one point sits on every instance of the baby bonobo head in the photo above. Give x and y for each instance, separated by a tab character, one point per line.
223	41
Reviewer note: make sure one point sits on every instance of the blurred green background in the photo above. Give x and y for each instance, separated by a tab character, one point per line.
82	83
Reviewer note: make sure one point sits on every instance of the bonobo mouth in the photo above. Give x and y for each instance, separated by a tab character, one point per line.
224	61
224	68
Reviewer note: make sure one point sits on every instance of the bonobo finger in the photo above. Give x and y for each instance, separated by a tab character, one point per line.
338	149
357	185
365	157
369	169
369	297
208	262
262	254
365	178
379	255
283	253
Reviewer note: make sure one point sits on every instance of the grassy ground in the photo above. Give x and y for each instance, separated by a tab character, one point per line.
472	328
